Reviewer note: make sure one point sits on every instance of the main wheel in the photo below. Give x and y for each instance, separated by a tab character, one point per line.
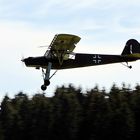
43	87
46	82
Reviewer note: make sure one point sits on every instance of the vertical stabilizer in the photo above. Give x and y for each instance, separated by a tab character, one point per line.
132	47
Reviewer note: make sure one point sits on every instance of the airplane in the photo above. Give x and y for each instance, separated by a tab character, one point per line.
60	55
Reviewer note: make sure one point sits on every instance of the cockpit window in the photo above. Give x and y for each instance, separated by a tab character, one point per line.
72	56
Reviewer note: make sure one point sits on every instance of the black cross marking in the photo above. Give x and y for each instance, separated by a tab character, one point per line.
97	59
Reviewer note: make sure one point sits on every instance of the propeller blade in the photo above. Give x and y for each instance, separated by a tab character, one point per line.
46	46
22	59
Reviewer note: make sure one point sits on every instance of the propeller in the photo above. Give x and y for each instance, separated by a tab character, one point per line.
22	58
45	46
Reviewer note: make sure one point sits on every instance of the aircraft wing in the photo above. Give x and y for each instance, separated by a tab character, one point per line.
62	45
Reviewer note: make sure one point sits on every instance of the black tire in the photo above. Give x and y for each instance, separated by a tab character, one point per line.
46	82
43	87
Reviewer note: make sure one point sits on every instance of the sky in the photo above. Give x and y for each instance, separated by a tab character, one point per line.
103	25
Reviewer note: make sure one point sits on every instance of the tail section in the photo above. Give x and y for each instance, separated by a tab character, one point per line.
132	47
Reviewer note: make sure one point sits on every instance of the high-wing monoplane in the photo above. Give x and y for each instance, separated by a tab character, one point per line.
60	55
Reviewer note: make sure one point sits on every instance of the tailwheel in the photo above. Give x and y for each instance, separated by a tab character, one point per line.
130	67
43	87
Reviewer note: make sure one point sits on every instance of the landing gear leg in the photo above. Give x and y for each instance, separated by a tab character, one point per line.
46	77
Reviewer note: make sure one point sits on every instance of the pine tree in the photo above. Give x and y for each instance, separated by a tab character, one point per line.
122	119
7	118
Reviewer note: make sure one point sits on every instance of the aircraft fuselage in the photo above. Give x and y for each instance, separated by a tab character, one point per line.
80	60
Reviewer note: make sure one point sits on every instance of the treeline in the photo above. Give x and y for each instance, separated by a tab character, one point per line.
72	115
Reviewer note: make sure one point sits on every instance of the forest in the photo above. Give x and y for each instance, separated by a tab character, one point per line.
72	114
